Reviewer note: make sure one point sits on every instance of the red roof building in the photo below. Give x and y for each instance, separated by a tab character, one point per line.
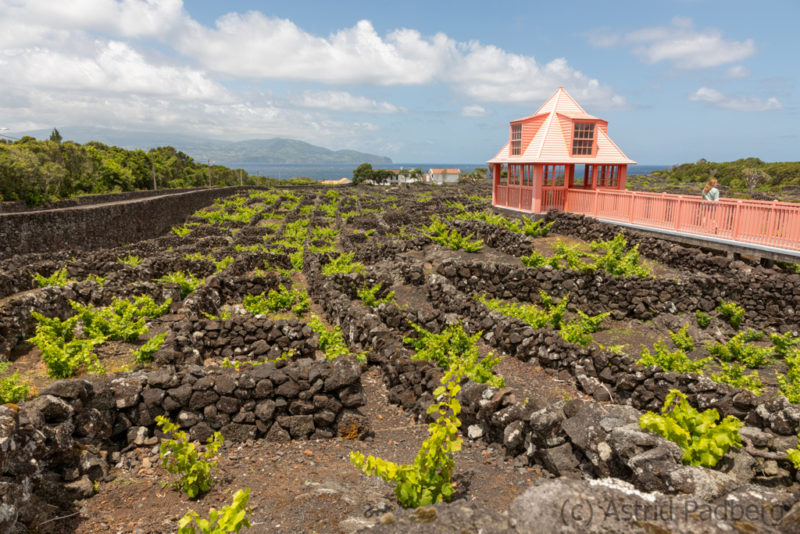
559	147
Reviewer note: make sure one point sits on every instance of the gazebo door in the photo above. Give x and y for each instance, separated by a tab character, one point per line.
554	192
520	187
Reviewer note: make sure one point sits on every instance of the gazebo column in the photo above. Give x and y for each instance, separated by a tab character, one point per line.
494	172
537	188
622	173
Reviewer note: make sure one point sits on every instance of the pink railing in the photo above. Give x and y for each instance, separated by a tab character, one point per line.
553	199
501	198
767	223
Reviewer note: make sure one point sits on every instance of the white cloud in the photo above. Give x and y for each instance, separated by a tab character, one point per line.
110	67
473	111
489	74
342	101
738	71
255	46
680	44
130	18
715	98
146	63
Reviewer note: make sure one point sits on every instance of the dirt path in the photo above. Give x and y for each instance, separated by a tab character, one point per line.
301	486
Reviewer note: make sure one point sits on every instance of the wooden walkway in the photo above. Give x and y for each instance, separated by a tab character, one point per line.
773	228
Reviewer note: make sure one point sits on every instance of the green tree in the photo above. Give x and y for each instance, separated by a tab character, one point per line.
362	173
55	135
754	177
380	176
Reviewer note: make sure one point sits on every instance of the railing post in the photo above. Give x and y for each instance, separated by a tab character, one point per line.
772	223
633	203
737	216
678	213
596	203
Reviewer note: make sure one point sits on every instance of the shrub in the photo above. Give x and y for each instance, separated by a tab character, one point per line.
147	307
790	383
186	281
454	347
571	256
682	339
703	319
181	457
732	312
428	480
295	300
368	295
737	350
536	260
342	264
231	518
552	315
119	320
331	341
297	260
793	455
617	260
61	352
11	388
676	361
438	232
536	228
784	344
733	374
146	351
702	440
131	260
324	233
58	278
181	231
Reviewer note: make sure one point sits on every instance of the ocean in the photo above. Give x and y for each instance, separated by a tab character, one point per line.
337	171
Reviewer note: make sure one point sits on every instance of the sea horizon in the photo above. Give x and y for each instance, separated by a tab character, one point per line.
336	171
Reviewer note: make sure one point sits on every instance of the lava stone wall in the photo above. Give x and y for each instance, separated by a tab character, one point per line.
106	225
770	301
566	438
88	200
53	447
608	376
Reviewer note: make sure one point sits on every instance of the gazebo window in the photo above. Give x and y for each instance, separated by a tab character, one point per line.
582	139
514	172
607	176
527	175
516	139
553	175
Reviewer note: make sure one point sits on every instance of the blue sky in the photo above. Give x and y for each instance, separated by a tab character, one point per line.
434	81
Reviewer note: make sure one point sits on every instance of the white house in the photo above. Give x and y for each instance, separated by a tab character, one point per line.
400	177
442	176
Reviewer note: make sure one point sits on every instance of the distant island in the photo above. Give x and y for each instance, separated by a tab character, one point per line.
288	151
277	150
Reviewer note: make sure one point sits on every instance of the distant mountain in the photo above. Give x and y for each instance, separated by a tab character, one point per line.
273	151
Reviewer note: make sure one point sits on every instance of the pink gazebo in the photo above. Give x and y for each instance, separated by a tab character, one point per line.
545	150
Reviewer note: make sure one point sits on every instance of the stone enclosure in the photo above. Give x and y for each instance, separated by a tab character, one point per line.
276	384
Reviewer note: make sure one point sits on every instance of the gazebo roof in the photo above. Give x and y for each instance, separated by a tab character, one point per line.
551	141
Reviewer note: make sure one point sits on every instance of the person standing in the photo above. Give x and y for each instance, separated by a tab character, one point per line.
710	191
